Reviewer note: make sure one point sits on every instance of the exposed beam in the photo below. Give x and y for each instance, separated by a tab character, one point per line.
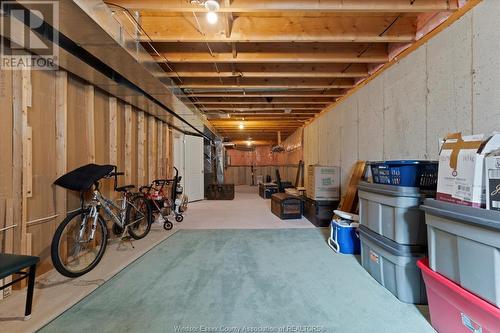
298	119
276	116
254	101
253	6
365	29
255	83
264	73
299	53
268	70
285	94
254	107
262	100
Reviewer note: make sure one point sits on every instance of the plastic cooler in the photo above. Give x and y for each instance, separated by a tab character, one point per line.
464	246
454	309
422	174
344	237
393	212
393	265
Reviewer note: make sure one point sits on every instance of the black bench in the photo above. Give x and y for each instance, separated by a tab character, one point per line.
14	264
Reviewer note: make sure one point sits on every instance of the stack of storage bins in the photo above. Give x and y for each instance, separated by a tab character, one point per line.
462	275
392	231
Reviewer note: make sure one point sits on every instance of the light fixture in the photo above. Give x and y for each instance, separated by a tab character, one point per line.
212	17
212	6
249	143
241	126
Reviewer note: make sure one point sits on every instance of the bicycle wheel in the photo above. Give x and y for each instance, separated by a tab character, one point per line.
73	251
138	217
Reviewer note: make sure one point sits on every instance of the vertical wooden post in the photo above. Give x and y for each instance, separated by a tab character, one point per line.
159	154
26	160
128	144
17	158
141	143
61	144
151	148
113	131
89	101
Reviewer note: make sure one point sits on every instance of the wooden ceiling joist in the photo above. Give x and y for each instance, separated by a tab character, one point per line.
272	83
271	101
258	107
285	70
262	57
333	93
364	29
279	6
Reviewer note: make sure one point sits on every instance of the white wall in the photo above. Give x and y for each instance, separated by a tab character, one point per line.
450	84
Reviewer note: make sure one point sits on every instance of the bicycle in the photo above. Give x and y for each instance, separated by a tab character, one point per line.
80	240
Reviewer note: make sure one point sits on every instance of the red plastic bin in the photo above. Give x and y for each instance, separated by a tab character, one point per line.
454	309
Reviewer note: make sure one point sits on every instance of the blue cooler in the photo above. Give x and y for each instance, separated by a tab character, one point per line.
344	237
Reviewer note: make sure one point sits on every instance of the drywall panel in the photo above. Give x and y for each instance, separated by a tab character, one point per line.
449	84
486	66
333	137
405	93
323	129
349	138
371	121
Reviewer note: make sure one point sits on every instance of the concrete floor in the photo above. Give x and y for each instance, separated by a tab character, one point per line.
54	293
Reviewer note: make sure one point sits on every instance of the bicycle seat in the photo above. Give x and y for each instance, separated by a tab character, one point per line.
124	188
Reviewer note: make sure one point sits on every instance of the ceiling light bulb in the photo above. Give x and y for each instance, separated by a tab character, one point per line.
249	143
242	126
212	17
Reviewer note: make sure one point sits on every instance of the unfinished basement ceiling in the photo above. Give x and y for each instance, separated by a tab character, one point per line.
274	65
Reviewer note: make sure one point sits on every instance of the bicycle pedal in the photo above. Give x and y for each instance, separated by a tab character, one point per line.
129	239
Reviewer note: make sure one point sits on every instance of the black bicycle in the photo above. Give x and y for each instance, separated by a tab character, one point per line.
80	240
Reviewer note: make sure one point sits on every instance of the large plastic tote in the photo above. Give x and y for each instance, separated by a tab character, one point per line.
464	246
393	212
454	309
393	265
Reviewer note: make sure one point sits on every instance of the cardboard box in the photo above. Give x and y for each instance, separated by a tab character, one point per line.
323	182
492	179
461	168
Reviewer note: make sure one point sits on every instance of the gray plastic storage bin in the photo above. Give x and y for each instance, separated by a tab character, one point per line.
464	246
393	212
393	265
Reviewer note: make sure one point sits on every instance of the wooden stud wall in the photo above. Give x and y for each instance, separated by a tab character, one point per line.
52	122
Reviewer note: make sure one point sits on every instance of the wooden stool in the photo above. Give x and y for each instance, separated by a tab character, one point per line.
14	264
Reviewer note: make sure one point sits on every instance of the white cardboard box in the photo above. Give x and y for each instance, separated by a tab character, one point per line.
323	182
461	168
